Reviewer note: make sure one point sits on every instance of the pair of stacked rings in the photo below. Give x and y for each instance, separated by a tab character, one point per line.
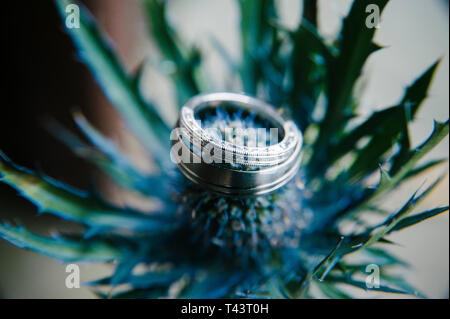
261	169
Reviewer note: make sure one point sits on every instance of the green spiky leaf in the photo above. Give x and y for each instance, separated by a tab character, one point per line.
415	219
362	285
257	39
58	199
184	60
115	82
355	45
107	157
60	248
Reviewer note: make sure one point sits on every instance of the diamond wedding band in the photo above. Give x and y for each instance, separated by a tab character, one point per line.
235	169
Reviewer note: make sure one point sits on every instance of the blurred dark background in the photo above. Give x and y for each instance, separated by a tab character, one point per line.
41	77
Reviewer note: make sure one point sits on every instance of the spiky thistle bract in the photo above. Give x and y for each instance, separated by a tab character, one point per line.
198	244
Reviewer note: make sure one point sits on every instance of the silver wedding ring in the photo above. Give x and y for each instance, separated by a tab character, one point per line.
231	168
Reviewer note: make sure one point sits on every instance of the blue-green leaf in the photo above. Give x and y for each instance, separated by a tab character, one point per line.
87	250
308	68
384	128
377	233
212	284
108	158
53	197
355	45
440	131
147	280
120	168
415	219
117	85
257	36
173	50
388	182
362	285
415	94
332	291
